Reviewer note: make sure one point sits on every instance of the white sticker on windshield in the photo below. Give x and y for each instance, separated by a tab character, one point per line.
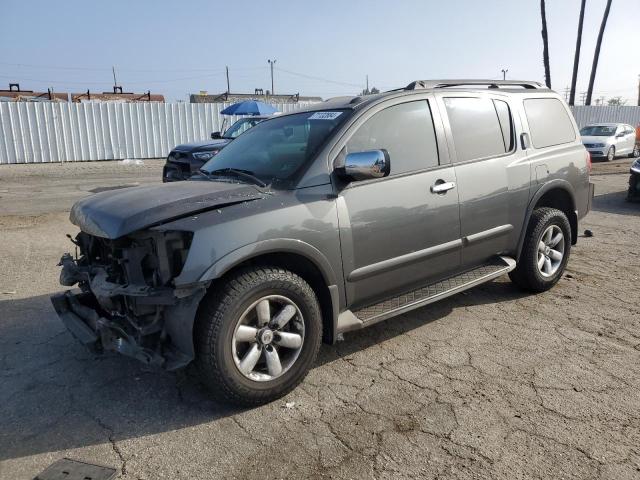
325	115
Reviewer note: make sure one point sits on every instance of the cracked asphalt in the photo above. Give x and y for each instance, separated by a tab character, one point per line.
491	383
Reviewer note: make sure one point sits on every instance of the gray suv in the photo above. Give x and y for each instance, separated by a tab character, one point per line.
325	221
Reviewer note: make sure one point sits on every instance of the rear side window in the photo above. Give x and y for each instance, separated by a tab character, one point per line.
406	131
549	122
476	128
506	124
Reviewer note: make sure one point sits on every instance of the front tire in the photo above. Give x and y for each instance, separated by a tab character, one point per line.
257	335
545	252
611	154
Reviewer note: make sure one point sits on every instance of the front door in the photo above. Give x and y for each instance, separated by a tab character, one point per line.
395	232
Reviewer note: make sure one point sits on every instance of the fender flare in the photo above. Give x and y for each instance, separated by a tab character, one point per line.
280	245
283	245
557	183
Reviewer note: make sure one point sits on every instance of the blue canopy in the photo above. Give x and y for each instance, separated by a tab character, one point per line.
250	107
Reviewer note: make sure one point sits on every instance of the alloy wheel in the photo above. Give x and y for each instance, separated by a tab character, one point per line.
550	251
268	338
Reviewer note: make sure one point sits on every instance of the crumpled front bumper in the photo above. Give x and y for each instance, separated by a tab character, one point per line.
81	314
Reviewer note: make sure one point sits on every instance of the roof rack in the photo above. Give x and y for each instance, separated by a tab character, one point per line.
421	84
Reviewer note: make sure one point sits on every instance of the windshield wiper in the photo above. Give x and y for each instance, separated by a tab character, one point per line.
245	174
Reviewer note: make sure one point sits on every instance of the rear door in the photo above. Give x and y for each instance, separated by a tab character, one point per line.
493	174
395	232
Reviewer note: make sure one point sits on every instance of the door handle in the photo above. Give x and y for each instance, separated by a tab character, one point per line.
442	187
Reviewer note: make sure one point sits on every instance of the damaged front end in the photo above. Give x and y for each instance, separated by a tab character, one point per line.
128	302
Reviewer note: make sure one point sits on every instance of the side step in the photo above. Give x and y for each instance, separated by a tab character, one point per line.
422	296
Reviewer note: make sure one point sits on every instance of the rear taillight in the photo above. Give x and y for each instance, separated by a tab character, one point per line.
588	162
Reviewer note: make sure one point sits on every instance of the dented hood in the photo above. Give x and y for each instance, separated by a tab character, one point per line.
116	213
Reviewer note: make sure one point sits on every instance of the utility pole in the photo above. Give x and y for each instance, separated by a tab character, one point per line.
566	94
115	82
583	96
367	82
272	63
639	90
228	88
504	73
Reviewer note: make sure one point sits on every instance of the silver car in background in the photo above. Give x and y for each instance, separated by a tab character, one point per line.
610	140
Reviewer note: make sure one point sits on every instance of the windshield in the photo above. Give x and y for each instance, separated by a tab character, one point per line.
240	126
598	131
277	149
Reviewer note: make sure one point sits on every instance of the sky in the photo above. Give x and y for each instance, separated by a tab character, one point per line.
324	48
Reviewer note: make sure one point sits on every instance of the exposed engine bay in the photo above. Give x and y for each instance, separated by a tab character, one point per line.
127	301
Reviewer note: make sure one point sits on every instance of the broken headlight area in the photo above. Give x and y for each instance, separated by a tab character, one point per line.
128	302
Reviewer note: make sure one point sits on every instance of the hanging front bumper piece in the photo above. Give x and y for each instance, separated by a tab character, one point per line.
82	316
117	308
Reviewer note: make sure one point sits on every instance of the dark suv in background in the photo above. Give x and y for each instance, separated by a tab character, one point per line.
329	220
187	159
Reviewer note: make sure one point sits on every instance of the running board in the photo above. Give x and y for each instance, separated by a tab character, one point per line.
422	296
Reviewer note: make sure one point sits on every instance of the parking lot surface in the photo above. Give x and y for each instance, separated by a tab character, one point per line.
491	383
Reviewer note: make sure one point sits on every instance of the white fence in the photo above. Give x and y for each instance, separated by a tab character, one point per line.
585	115
68	132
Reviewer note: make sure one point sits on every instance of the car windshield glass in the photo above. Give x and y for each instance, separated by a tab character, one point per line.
277	149
598	131
240	126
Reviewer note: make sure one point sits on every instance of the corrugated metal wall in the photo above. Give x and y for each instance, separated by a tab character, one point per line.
585	115
68	132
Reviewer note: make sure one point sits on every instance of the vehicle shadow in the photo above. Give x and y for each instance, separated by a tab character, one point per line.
56	396
615	202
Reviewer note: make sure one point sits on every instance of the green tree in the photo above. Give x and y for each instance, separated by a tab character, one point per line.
616	102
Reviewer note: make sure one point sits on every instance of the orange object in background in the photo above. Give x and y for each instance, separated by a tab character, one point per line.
638	133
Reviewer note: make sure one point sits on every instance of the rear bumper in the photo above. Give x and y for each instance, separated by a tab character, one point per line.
167	344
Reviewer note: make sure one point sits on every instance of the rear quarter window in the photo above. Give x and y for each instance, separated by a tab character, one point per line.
549	122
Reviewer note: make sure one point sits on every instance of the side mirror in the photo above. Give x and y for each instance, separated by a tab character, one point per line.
216	135
367	165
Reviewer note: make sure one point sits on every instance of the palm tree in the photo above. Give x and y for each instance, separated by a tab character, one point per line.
596	54
576	58
545	43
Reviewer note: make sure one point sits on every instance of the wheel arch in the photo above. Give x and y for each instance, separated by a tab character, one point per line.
555	194
296	256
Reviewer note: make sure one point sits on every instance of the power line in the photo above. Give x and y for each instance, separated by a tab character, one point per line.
138	70
133	82
312	77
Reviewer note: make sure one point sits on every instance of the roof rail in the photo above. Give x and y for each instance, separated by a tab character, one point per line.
420	84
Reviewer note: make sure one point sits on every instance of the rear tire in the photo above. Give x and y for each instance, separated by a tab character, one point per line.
545	252
636	152
611	154
235	311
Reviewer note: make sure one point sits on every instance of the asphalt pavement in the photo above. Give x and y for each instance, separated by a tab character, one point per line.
491	383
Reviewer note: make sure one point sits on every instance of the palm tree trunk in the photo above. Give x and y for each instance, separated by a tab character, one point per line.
596	54
576	58
545	44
